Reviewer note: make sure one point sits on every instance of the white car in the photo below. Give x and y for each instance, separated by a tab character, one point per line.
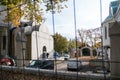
74	65
66	56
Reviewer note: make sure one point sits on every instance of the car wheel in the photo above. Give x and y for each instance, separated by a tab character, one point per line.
4	64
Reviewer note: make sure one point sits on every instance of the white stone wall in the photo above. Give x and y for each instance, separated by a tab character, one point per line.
2	14
39	39
106	42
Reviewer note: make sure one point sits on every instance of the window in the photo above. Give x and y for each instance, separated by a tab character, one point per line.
105	32
44	49
4	42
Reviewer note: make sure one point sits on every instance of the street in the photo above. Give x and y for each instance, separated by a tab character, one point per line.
62	65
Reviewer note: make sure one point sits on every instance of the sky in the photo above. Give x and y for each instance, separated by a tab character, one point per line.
87	17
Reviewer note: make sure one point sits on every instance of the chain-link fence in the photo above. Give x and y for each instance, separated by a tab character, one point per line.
26	62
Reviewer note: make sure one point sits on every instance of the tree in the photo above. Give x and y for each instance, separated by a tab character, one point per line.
98	44
61	44
82	37
71	43
29	9
94	37
90	36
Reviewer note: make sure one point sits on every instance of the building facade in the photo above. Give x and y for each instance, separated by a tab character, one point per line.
111	38
4	39
106	25
41	43
31	42
26	42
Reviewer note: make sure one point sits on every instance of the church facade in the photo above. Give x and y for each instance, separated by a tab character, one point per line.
31	42
41	43
26	42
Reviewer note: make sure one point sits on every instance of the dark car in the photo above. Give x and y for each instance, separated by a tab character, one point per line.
6	60
42	64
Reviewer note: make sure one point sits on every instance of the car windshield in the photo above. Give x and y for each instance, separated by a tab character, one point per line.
42	64
34	63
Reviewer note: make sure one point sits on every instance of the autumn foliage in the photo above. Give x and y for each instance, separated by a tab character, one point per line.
29	9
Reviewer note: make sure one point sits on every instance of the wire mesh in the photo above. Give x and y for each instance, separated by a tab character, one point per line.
88	70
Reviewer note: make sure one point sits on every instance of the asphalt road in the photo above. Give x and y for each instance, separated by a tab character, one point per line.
62	65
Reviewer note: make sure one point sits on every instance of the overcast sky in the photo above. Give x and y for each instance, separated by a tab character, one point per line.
87	16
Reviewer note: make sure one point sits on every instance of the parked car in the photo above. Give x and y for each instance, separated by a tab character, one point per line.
6	60
41	64
74	65
66	56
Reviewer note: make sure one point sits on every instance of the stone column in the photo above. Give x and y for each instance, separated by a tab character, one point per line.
114	32
19	47
91	52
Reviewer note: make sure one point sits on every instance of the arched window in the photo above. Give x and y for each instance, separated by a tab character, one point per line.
44	49
44	55
86	52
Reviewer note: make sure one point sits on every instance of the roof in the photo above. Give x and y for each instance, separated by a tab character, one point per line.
108	17
114	6
114	3
112	9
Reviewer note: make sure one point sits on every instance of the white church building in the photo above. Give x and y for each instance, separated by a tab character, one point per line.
28	41
31	42
41	43
37	41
